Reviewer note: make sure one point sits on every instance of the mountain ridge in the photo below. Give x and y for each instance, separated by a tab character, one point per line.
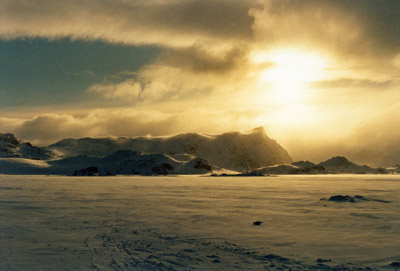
232	150
252	153
189	153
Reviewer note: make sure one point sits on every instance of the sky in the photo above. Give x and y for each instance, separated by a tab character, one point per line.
322	77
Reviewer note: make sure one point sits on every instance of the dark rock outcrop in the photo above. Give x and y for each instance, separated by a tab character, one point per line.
356	198
90	171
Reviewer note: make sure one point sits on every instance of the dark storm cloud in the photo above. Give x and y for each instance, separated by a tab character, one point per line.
381	23
171	23
221	18
367	27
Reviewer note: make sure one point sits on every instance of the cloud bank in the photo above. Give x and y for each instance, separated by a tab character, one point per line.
206	80
168	23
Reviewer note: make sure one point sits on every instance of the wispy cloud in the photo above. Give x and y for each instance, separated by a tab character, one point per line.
351	83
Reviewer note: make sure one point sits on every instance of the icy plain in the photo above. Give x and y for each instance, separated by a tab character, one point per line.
199	223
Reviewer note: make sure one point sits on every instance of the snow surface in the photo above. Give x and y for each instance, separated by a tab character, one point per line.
198	223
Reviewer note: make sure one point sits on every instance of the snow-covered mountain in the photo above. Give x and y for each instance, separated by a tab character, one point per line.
340	164
335	165
121	162
127	162
252	153
10	146
181	154
233	150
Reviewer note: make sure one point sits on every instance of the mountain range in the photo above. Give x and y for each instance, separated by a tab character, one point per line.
181	154
252	153
334	165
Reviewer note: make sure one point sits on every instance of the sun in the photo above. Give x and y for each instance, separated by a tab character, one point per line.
287	73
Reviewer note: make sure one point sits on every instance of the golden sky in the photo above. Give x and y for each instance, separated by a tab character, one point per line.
321	76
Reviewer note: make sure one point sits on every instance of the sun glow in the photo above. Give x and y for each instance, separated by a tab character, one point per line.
288	72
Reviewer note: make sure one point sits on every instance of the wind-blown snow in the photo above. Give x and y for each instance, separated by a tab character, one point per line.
198	223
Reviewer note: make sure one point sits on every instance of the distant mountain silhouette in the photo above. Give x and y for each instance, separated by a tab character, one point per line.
181	154
340	164
334	165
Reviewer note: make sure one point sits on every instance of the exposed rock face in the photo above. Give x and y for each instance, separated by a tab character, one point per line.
10	146
307	167
163	169
199	163
234	150
11	139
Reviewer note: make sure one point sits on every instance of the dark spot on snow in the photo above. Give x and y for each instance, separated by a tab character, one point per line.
356	198
275	257
340	198
319	260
